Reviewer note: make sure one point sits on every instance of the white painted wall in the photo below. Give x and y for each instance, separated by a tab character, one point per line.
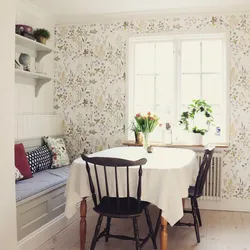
7	183
35	116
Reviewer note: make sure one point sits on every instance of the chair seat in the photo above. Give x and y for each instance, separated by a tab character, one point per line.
191	194
108	207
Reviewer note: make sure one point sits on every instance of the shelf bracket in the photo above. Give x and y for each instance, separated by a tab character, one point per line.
39	84
41	54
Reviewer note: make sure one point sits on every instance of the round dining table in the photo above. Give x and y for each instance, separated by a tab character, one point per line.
166	178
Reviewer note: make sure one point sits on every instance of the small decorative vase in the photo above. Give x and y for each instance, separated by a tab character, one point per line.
146	140
25	59
197	139
42	39
138	138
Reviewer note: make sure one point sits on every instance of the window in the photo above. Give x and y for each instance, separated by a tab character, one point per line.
167	73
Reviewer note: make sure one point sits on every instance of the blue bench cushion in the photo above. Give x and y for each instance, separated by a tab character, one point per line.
41	181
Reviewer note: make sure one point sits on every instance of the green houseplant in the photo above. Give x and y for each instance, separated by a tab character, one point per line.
197	108
41	35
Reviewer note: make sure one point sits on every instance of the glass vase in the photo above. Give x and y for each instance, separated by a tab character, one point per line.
168	137
146	140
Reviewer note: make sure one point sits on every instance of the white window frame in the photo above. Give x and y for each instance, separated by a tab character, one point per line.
177	38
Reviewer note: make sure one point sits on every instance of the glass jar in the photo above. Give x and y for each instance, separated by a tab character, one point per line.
168	136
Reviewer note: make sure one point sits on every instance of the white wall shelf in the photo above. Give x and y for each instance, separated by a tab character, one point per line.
41	49
41	79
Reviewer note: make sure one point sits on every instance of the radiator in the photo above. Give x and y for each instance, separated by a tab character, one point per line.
212	187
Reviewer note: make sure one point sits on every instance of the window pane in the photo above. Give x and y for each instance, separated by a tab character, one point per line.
217	110
219	120
190	56
212	88
145	58
200	77
143	108
144	93
212	56
164	58
190	88
164	89
165	113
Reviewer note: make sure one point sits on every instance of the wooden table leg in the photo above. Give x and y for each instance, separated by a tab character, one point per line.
83	223
164	234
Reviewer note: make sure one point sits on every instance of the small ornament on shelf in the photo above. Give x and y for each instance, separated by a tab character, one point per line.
18	65
168	134
24	60
218	130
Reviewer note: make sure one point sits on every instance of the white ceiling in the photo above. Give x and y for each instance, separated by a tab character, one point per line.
96	7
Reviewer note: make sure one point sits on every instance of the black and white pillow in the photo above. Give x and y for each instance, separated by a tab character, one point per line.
40	159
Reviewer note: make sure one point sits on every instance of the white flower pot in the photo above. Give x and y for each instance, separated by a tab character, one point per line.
196	139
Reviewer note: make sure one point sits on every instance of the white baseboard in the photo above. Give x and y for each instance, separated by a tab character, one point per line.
46	232
237	205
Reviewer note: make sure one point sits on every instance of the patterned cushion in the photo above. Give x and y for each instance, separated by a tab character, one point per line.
18	175
60	156
39	159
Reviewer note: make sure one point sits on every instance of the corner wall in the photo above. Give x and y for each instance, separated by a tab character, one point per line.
8	236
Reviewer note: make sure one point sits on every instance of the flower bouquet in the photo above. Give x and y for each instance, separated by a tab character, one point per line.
146	123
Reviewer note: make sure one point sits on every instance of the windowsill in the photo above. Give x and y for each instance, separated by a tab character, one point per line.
174	145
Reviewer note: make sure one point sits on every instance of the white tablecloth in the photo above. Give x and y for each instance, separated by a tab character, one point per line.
165	179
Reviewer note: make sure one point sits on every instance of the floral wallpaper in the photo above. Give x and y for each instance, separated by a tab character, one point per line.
90	68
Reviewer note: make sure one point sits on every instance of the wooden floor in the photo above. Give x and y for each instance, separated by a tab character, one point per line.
220	231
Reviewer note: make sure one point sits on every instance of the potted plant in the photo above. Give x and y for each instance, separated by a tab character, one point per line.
146	124
197	108
41	35
138	135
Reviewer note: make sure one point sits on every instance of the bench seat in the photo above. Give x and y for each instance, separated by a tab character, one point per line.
39	200
41	181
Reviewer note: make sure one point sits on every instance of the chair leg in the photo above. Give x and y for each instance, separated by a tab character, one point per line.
97	231
196	225
107	229
198	212
150	226
158	224
136	232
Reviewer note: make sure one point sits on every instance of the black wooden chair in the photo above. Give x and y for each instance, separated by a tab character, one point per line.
117	207
195	192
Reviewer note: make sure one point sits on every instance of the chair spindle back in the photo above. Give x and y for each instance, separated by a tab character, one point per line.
203	171
116	163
